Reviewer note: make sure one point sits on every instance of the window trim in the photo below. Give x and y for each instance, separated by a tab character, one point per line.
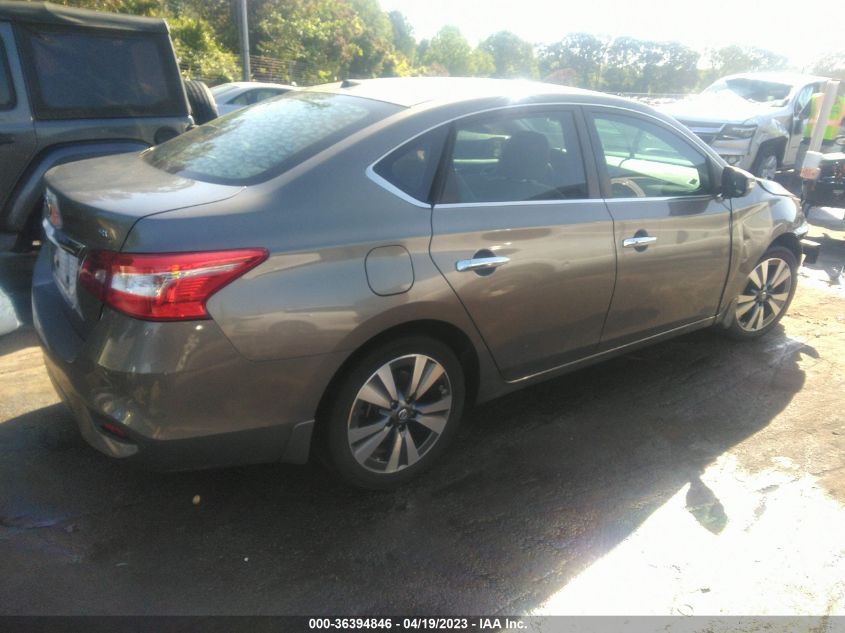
601	165
6	71
584	142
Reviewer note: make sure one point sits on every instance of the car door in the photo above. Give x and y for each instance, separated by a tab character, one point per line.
17	136
672	233
800	115
523	238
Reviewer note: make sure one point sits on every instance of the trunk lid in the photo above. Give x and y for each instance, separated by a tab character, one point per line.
93	204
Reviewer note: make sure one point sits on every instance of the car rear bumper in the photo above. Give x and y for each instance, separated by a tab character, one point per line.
179	392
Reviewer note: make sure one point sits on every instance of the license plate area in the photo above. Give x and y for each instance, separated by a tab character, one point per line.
65	272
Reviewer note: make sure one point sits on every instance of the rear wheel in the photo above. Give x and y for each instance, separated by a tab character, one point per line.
767	294
203	106
395	412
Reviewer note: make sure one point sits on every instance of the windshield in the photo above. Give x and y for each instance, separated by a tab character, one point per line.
257	143
754	90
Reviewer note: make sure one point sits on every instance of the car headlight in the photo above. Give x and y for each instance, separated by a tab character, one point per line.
738	131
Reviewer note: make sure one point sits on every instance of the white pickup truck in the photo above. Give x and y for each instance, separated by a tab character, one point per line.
755	121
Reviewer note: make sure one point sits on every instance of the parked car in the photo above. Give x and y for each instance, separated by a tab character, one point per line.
75	84
352	265
752	120
236	95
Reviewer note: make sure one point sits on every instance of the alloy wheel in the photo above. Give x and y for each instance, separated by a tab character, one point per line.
765	295
399	413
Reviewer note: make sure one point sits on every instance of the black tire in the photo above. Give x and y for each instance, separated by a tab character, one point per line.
203	106
762	163
740	327
345	413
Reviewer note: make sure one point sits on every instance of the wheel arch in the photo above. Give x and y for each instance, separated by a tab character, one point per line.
451	335
776	145
789	241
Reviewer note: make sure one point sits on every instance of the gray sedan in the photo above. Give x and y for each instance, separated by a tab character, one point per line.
346	268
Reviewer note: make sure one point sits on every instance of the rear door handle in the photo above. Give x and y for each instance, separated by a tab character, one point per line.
638	242
480	263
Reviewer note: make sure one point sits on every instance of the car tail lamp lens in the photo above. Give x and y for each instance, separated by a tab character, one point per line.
164	287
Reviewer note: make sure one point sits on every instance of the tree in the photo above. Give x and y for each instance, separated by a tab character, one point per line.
512	56
733	59
450	50
403	35
377	56
831	65
320	37
197	48
578	57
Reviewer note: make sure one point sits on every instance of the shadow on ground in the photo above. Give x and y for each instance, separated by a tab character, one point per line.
537	486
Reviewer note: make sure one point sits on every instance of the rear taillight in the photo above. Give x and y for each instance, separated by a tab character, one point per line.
163	287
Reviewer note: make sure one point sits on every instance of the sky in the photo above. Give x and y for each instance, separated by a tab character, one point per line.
778	25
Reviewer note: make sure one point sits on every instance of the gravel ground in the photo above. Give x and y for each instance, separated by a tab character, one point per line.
699	476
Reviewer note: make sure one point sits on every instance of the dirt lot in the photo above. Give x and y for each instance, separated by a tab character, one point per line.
699	476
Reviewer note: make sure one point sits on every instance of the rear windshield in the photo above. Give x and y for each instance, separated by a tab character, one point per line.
262	141
87	74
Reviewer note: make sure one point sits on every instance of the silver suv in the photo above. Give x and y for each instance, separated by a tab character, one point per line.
755	121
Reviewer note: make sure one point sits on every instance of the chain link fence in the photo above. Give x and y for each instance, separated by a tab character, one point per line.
268	69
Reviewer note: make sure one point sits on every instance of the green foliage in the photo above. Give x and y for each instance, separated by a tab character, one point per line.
449	50
737	59
314	41
512	56
197	48
577	60
323	37
403	36
625	64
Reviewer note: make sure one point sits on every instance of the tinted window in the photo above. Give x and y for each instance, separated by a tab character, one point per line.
80	74
645	160
516	158
411	168
258	143
7	95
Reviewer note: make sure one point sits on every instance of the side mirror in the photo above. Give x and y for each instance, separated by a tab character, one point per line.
736	183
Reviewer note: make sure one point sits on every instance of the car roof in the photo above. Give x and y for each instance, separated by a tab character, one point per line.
793	79
412	91
53	14
253	84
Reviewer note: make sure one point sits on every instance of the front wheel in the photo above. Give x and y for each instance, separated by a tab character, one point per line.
395	412
766	164
767	294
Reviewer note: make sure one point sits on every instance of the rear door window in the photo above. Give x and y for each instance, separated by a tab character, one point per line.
516	157
83	73
7	93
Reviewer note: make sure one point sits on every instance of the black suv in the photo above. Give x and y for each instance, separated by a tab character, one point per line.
76	84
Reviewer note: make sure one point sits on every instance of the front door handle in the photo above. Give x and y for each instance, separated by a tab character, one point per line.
480	263
638	242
